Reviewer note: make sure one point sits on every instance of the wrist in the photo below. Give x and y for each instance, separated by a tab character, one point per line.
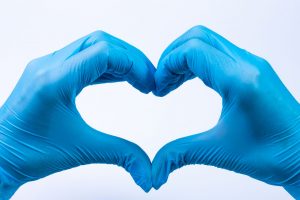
294	191
8	185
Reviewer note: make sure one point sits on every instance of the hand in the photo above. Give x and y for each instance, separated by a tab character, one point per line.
41	130
258	133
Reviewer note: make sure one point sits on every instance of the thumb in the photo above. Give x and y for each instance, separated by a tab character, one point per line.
204	148
98	147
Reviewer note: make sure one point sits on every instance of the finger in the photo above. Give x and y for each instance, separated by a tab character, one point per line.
100	36
145	70
205	148
73	48
82	44
206	35
89	65
97	147
194	58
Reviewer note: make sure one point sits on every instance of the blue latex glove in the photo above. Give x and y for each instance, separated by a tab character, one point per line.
42	132
258	133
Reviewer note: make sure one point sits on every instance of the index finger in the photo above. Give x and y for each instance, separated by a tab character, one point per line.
140	74
206	35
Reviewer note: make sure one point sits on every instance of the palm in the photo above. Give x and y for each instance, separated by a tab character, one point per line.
48	126
256	150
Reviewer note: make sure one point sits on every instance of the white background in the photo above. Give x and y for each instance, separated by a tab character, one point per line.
29	29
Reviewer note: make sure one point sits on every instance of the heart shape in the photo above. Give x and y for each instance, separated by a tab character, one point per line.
42	124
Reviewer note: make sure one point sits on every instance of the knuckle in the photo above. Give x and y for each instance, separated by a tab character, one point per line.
42	78
44	81
249	83
263	63
193	45
199	30
193	49
253	78
103	49
32	65
96	37
202	33
103	46
99	35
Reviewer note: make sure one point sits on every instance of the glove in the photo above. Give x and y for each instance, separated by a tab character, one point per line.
258	133
41	130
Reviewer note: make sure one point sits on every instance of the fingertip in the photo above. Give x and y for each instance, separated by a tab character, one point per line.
161	85
164	87
145	88
167	81
152	72
147	188
139	166
145	185
160	171
159	181
159	93
158	185
141	76
142	178
150	84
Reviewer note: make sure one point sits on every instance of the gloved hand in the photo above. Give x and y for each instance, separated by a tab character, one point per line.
42	132
258	133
